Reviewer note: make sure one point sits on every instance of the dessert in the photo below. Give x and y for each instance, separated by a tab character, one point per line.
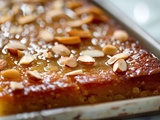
58	53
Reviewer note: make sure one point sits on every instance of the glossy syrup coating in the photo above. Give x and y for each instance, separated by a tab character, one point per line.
39	26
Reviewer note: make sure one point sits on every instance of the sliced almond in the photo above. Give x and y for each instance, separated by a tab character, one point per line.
71	62
88	9
57	4
121	35
54	13
116	57
11	73
79	22
15	52
26	19
109	49
26	59
87	60
34	75
46	36
69	40
62	61
80	33
16	85
73	4
120	66
92	53
5	18
3	64
17	45
16	30
47	53
75	72
61	50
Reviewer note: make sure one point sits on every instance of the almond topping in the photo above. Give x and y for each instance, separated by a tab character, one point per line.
120	66
26	59
5	18
26	19
87	60
46	36
73	4
17	45
61	50
16	85
68	61
16	30
11	73
116	57
54	13
15	52
34	75
75	72
121	35
109	49
92	53
69	40
3	64
47	53
79	22
80	33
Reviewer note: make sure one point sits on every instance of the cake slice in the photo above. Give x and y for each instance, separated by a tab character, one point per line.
67	53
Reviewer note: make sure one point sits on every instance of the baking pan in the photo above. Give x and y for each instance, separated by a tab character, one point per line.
117	109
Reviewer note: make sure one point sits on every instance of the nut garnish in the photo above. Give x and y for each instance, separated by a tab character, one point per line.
61	50
5	18
121	35
17	45
116	57
26	19
11	73
54	13
46	36
34	75
87	60
16	30
75	72
16	85
3	64
92	53
79	22
47	53
73	4
15	52
120	66
26	59
80	33
67	61
69	40
109	49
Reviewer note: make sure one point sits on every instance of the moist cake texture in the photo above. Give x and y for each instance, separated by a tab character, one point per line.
57	53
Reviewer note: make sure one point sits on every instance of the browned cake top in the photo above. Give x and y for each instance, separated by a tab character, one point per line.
44	44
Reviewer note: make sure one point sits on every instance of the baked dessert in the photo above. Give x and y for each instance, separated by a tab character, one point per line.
57	53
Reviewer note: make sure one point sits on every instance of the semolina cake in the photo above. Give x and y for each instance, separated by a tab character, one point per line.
60	53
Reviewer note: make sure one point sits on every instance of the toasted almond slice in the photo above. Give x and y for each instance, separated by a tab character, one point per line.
57	4
109	49
26	19
69	40
87	60
11	73
116	57
34	75
26	59
3	64
61	50
92	53
5	18
17	45
15	52
88	9
121	35
47	53
46	36
71	62
54	13
62	60
16	30
73	4
79	22
120	66
15	8
80	33
16	85
75	72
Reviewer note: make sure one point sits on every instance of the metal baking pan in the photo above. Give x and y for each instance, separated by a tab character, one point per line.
117	109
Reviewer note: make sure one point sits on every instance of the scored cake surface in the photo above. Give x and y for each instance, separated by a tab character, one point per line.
58	53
